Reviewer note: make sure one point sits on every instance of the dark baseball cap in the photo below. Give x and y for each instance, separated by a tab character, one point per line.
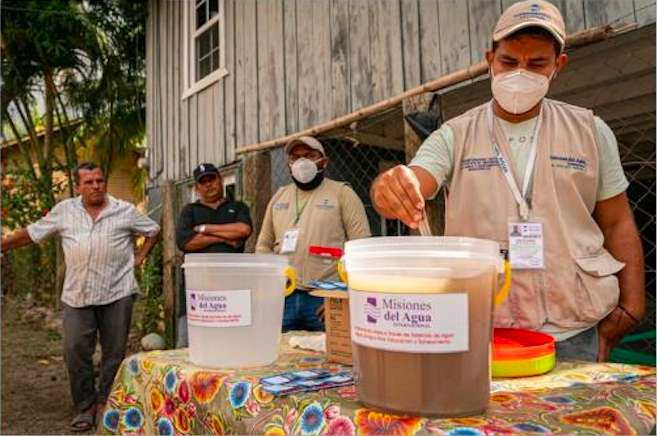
203	170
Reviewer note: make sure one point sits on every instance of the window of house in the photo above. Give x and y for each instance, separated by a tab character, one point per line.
205	47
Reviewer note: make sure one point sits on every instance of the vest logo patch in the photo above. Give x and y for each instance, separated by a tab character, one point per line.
324	205
569	163
479	164
281	206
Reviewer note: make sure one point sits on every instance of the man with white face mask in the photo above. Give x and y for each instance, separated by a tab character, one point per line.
310	221
548	170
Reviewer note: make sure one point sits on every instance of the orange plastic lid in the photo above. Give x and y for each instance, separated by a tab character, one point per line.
517	344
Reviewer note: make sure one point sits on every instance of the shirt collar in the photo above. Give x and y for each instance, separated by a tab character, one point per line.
112	203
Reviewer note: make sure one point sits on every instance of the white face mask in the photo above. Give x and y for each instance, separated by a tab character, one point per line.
520	90
304	170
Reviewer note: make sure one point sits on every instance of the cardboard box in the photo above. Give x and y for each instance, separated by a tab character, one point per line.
338	327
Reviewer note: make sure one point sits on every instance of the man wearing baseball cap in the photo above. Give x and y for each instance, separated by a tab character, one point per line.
212	224
309	221
550	170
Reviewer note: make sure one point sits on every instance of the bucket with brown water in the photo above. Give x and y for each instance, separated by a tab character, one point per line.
421	312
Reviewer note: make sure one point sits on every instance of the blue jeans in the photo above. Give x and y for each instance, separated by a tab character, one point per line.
182	340
301	312
583	346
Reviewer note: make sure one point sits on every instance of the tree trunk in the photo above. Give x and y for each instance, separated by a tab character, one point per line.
169	262
69	143
29	165
48	145
257	191
23	110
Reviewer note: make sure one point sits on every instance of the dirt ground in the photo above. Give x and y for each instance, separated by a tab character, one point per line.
35	392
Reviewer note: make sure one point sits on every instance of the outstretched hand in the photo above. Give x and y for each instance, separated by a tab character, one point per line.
396	194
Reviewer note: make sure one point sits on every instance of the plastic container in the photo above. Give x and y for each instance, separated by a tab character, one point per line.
235	308
421	311
522	353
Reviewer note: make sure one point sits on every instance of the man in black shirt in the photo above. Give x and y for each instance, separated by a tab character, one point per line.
210	225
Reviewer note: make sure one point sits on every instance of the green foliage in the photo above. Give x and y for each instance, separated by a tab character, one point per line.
85	58
24	199
150	311
41	36
114	102
30	269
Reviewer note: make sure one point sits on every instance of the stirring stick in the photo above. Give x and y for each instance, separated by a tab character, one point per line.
424	227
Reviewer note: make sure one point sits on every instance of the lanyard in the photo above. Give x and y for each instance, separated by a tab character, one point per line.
521	199
296	202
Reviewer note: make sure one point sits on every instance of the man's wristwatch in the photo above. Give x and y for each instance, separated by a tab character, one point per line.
200	229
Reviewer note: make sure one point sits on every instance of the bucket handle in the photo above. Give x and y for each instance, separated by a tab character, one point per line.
504	291
289	273
341	272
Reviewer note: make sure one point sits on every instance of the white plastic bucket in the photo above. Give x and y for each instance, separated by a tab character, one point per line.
421	311
235	308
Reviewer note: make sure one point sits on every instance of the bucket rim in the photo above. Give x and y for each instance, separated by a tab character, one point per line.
235	260
476	244
421	247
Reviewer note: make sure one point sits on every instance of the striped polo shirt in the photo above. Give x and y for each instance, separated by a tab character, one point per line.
99	254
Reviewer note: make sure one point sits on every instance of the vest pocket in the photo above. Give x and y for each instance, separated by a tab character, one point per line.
596	285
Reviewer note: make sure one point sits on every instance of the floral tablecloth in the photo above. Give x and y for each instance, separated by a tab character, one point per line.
162	392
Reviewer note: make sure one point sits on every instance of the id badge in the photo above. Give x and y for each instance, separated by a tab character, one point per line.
526	249
290	239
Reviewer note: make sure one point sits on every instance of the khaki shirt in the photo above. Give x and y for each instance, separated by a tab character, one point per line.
328	216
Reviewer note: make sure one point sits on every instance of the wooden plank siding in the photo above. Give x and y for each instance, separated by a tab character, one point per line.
482	18
360	64
429	41
340	85
410	24
293	64
248	33
454	35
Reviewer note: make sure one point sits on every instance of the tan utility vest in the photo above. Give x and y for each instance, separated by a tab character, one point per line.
320	224
578	287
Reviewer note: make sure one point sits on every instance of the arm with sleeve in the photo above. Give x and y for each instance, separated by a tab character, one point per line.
436	156
46	226
243	214
185	228
354	217
143	225
612	181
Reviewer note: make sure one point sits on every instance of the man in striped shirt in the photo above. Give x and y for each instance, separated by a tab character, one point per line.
97	237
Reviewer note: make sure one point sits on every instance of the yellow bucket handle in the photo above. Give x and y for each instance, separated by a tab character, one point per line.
289	273
341	272
504	291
